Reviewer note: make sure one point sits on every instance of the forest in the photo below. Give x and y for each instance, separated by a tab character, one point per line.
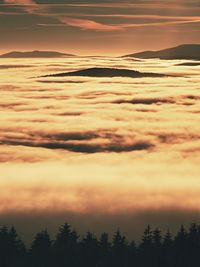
68	249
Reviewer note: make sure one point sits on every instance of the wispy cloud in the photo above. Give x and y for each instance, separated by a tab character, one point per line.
29	6
20	2
81	19
90	24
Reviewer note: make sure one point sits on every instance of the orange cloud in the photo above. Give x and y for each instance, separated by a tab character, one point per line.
29	5
86	24
90	24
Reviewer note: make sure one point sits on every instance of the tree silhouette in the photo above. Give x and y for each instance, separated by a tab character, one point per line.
119	250
180	248
12	250
40	251
90	250
193	245
167	249
65	247
132	255
156	248
104	250
67	250
146	248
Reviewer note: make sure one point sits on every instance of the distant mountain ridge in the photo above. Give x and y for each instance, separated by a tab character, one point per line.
107	72
185	51
34	54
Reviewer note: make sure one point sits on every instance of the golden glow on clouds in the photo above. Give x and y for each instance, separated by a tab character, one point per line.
87	145
108	192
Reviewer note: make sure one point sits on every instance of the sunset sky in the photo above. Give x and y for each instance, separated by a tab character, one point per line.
97	27
101	153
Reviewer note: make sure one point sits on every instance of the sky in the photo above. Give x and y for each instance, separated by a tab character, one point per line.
97	27
100	153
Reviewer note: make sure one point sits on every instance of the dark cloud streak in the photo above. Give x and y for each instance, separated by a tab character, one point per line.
81	142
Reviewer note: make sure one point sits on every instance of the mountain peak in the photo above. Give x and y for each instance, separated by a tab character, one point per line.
183	51
34	54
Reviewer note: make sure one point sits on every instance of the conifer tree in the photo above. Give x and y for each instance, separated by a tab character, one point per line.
104	250
12	249
145	249
119	250
90	250
40	251
65	247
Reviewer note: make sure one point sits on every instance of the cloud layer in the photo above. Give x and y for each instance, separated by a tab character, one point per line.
105	147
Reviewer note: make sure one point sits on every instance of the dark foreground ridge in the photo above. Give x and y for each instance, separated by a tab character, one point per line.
107	72
186	51
34	54
70	250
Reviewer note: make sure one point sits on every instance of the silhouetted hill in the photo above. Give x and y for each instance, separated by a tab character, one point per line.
187	51
34	54
107	72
